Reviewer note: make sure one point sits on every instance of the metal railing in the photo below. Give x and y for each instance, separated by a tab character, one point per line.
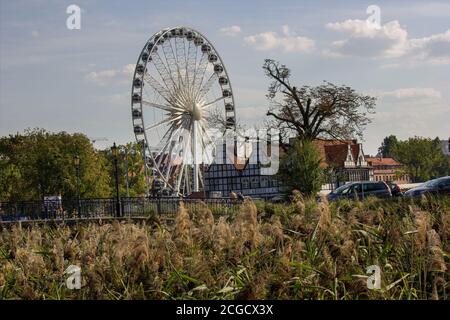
106	208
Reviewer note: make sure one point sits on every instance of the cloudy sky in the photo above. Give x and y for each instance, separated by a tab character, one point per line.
79	80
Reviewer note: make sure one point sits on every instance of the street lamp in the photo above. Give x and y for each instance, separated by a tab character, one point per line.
76	162
114	155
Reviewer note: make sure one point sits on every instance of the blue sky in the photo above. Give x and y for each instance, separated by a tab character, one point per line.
79	80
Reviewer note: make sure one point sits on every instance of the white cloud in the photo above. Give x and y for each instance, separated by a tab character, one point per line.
406	93
109	76
388	41
288	41
35	33
231	31
435	48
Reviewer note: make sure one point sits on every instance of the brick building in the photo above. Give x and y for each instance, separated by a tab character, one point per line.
388	169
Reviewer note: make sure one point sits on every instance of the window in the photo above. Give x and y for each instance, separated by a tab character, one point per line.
368	187
343	190
245	183
264	182
254	182
444	184
356	188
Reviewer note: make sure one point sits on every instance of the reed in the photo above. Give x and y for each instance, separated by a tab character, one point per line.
301	250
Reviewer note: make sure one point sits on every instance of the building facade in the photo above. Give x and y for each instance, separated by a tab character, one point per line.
246	174
388	169
345	162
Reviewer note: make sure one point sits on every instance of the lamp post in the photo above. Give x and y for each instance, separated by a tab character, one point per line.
145	169
126	167
76	162
114	155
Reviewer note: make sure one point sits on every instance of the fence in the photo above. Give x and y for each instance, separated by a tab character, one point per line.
107	208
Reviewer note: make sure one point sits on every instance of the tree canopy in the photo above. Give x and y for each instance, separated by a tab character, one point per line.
300	168
130	167
38	163
387	146
422	157
325	111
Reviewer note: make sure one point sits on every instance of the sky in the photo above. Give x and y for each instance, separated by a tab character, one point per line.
80	80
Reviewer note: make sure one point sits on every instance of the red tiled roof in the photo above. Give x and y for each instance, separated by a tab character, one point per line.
375	161
336	155
334	152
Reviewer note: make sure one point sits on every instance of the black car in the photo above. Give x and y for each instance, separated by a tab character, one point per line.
439	186
361	190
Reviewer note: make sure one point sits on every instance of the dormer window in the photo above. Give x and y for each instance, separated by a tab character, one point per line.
361	159
349	162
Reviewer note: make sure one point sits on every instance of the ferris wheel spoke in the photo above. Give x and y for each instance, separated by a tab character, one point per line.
169	56
186	147
200	73
212	102
200	178
163	92
181	59
167	137
167	169
191	63
206	135
163	72
205	153
169	163
173	131
165	121
180	176
159	106
207	86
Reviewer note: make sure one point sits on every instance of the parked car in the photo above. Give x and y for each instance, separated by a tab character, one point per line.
361	190
439	186
395	189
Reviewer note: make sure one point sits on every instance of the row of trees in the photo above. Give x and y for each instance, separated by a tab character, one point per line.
422	157
38	163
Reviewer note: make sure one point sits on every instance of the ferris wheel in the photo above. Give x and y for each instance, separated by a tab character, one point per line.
181	90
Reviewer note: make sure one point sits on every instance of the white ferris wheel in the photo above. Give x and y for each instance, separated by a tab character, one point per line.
181	90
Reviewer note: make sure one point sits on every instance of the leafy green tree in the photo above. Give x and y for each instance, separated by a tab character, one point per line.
38	163
130	165
422	157
388	144
301	169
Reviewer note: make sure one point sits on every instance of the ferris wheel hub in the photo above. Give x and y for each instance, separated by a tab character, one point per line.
197	112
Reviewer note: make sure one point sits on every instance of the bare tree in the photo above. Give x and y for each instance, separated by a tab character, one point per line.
325	111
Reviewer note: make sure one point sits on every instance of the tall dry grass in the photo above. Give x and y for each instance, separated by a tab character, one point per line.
304	250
